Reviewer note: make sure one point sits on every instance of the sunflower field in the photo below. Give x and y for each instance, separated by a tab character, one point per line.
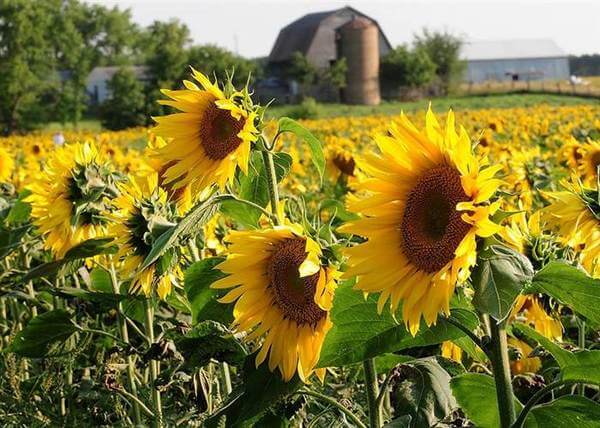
228	269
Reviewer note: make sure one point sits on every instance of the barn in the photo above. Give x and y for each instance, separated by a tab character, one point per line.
514	60
325	37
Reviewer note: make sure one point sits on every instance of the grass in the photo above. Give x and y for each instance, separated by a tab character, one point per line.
84	125
442	104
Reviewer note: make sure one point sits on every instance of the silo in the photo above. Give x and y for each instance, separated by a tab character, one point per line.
359	44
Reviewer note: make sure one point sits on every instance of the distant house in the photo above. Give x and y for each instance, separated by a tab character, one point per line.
97	81
325	37
514	60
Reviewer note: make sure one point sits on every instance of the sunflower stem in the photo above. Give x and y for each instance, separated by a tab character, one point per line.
372	387
125	337
499	357
153	364
272	184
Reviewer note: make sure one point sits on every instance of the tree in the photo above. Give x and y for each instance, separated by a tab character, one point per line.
126	105
214	60
403	67
444	50
302	70
26	63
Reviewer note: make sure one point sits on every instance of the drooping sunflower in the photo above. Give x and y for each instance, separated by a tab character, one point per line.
208	139
283	295
524	363
427	201
142	213
68	199
451	351
575	214
529	309
7	165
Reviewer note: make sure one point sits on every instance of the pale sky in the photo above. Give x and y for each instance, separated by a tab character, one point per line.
251	27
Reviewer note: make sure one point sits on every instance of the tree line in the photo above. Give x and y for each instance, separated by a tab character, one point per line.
49	47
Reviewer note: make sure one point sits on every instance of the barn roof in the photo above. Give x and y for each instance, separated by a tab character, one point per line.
299	35
511	49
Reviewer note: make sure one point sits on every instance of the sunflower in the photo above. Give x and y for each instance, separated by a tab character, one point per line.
142	213
523	363
451	351
590	161
68	199
427	201
208	139
282	293
7	165
575	214
570	153
532	312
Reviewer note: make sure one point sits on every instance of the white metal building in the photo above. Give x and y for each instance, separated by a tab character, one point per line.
514	60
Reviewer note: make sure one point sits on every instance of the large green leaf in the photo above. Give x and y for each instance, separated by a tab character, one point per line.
498	278
582	365
43	331
476	396
423	393
359	332
207	340
565	412
259	390
316	150
202	298
570	286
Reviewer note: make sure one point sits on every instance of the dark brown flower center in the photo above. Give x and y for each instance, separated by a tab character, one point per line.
346	165
431	226
293	295
218	132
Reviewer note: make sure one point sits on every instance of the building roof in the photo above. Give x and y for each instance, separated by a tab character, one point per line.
300	34
511	49
106	73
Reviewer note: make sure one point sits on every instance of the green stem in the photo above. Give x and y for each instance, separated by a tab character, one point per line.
125	336
581	344
499	357
372	387
153	364
335	404
272	185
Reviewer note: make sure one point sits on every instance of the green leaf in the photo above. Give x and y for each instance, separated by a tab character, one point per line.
359	333
19	212
10	239
202	298
567	411
186	228
210	339
100	281
260	389
571	287
498	278
424	393
582	365
386	362
476	396
316	150
43	331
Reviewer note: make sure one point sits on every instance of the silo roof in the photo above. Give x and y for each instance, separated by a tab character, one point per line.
511	49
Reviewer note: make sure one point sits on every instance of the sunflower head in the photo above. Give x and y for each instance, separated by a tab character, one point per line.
425	202
590	161
210	136
283	295
142	214
7	165
530	309
521	360
70	199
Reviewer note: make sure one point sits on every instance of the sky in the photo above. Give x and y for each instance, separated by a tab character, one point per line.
251	27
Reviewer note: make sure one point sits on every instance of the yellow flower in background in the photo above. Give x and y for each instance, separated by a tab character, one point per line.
142	213
451	351
282	293
530	310
427	201
68	198
590	161
570	153
7	165
208	139
575	214
524	364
